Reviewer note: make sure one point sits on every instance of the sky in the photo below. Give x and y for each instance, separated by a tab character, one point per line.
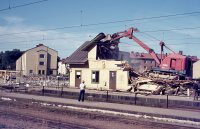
63	25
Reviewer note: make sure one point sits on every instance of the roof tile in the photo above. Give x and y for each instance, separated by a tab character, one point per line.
78	57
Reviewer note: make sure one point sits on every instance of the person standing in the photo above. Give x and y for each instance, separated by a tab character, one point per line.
82	91
195	88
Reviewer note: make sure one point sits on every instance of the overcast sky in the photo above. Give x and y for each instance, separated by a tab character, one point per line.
64	25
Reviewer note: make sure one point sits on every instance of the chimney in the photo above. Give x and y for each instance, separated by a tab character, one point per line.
180	52
39	45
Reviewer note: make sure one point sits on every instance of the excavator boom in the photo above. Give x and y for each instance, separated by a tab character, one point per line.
129	34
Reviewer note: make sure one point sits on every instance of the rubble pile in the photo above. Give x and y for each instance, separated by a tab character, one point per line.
142	84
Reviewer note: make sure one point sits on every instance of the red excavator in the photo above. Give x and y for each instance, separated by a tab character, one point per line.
172	66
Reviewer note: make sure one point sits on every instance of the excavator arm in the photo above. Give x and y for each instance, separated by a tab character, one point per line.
129	34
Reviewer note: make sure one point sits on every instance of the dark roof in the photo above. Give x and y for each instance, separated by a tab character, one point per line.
34	48
78	57
97	39
63	60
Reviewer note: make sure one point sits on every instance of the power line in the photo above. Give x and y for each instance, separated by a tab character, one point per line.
153	38
156	45
70	31
91	36
100	24
129	43
22	5
162	19
172	29
109	27
149	38
71	12
105	27
45	39
172	39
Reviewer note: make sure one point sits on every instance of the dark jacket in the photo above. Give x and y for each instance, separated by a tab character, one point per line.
195	86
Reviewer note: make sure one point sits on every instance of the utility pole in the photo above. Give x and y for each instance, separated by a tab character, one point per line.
2	61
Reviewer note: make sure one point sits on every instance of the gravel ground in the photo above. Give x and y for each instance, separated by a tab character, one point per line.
45	119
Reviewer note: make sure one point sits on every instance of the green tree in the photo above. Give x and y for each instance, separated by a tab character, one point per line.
1	61
9	58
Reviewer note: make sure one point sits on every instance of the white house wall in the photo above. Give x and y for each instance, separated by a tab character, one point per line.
104	67
61	68
196	70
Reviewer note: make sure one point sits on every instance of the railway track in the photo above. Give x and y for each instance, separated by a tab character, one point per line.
25	103
48	122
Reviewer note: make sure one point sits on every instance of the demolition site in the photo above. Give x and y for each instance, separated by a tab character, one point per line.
118	88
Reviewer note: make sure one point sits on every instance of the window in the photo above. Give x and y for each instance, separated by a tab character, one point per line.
145	67
43	72
112	77
95	76
51	72
31	71
78	74
39	72
41	55
41	63
145	61
151	62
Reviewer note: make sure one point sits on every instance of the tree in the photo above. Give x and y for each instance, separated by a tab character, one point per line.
1	61
9	58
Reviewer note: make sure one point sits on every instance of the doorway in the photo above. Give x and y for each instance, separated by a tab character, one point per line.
112	84
77	78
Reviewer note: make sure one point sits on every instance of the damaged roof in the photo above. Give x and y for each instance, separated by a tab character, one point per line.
94	41
78	57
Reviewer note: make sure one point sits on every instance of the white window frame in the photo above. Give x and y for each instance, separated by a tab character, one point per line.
94	77
41	64
42	57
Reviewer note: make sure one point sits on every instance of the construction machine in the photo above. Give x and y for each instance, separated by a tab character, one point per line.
170	66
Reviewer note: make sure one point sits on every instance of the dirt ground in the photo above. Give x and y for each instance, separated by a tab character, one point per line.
13	117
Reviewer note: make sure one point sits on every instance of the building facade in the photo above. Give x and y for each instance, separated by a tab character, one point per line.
40	60
142	61
196	70
97	73
62	67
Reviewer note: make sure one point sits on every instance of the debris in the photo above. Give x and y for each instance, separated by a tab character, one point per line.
156	84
